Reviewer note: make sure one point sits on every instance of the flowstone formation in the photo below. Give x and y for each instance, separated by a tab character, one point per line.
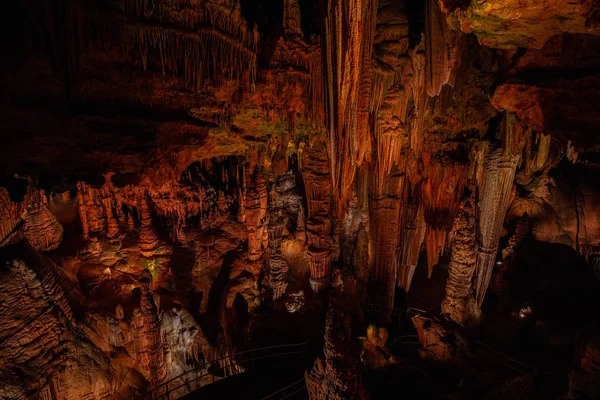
184	180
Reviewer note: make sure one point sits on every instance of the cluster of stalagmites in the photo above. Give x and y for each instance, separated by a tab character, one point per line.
111	211
118	353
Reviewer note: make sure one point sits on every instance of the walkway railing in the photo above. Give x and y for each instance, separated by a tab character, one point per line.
287	391
505	360
400	313
170	389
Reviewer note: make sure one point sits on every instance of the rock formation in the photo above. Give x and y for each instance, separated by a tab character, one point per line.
338	377
440	344
499	172
318	223
181	177
460	302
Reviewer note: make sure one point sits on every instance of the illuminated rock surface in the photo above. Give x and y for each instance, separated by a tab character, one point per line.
182	178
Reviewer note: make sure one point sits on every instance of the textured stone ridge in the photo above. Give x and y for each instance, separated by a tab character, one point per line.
39	334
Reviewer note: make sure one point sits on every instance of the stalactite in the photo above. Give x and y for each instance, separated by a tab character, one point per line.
231	51
412	239
389	135
390	47
460	303
349	27
442	49
421	99
499	173
362	143
440	194
385	228
61	24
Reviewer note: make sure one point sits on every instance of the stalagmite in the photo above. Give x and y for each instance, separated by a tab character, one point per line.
340	379
460	303
41	229
112	223
277	265
150	355
148	240
318	224
255	212
499	174
91	211
107	197
82	206
314	379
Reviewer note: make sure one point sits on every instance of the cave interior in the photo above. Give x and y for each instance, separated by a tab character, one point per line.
302	199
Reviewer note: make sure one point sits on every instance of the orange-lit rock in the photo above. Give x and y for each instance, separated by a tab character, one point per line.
439	343
514	23
148	240
182	173
318	225
460	303
338	377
